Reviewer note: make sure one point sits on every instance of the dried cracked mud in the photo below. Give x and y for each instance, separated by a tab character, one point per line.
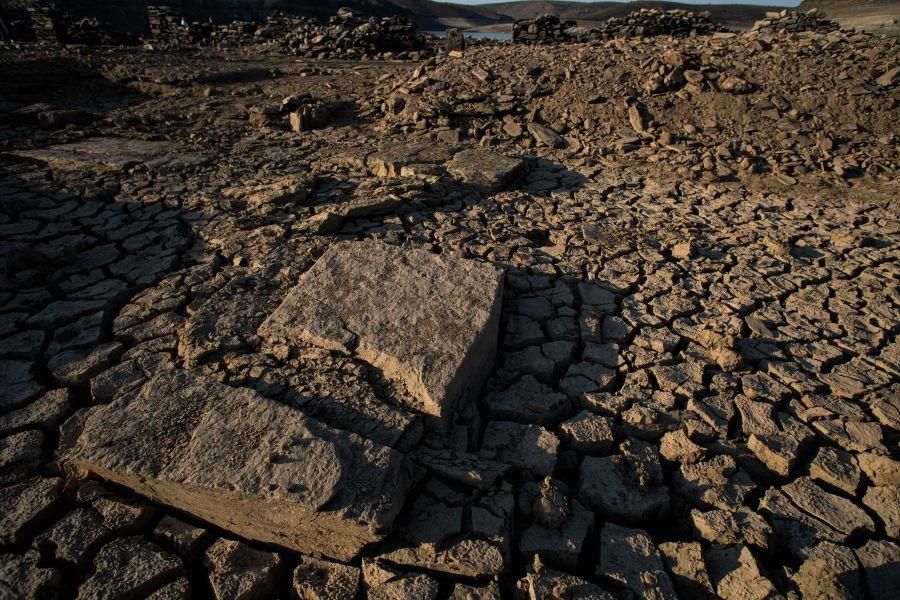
576	321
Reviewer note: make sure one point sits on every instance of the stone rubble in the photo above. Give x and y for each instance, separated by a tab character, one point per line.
602	320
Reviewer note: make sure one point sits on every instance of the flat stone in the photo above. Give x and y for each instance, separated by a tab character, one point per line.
543	583
428	321
879	560
21	577
316	579
627	486
112	153
529	448
235	459
714	483
588	433
727	527
184	537
560	546
684	560
630	557
490	591
74	367
75	537
18	383
831	571
129	568
20	455
836	467
484	169
528	401
241	572
884	501
469	557
47	412
25	506
735	574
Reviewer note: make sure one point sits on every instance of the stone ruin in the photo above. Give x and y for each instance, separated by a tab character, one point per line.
346	35
794	22
643	23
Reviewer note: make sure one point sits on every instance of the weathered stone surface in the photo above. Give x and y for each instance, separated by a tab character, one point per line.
21	577
75	537
316	579
429	321
484	169
128	568
18	383
879	559
238	571
24	506
727	527
630	557
684	560
20	455
588	433
884	501
735	574
831	571
467	558
714	483
384	582
542	583
627	486
47	412
229	456
110	153
185	538
529	448
491	591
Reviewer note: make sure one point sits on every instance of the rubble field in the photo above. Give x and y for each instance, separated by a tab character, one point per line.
599	320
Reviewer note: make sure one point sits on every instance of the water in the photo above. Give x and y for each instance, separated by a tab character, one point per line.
477	35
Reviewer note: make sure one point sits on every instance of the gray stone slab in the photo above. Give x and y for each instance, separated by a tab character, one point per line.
429	321
252	466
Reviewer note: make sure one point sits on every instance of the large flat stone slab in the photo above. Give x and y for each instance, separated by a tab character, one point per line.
114	153
427	320
250	465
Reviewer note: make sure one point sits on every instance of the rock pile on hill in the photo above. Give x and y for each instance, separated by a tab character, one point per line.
639	24
792	21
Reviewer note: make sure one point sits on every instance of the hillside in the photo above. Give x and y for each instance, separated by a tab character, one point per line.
878	16
588	13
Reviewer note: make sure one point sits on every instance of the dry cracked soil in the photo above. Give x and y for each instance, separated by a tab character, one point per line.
569	321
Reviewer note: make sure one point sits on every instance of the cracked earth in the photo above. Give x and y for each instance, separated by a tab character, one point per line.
597	321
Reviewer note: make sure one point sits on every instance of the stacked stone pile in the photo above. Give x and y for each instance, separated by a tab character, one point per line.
45	23
793	21
643	23
652	22
545	29
345	36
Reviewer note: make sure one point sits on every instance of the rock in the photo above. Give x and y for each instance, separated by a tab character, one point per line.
316	579
884	501
75	367
543	583
428	321
491	591
185	538
18	383
879	559
714	483
486	170
26	506
528	401
836	467
588	433
47	412
630	557
21	577
889	78
128	568
738	527
831	571
684	560
74	538
676	446
242	456
545	136
735	574
627	486
803	514
454	40
20	455
122	515
384	582
177	590
238	571
466	558
529	448
881	470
